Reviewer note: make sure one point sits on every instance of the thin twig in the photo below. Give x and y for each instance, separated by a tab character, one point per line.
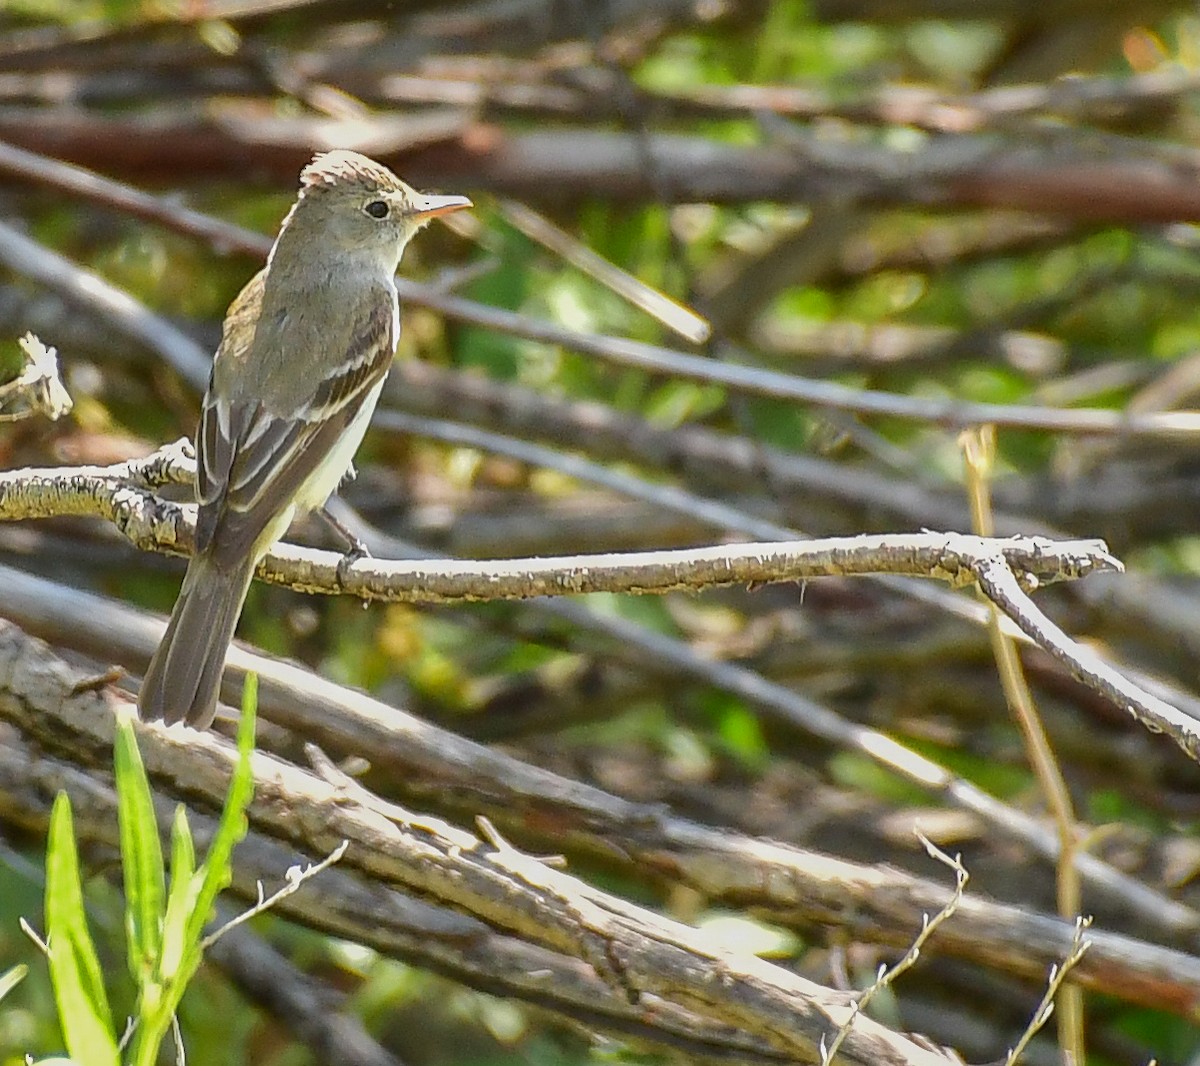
887	977
38	388
979	449
1058	974
295	876
672	314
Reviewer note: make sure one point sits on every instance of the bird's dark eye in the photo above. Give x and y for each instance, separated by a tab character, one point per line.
377	209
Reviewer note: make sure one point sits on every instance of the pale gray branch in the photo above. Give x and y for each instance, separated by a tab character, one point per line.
635	952
115	493
426	765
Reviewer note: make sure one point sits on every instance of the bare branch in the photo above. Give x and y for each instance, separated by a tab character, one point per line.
636	952
887	976
426	765
1058	974
38	389
150	522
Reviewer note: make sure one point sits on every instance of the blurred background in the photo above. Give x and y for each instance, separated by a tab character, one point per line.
919	203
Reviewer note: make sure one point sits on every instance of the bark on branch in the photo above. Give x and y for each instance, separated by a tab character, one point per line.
786	884
121	494
636	953
151	523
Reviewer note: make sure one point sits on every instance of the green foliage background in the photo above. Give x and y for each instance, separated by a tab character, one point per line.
1098	296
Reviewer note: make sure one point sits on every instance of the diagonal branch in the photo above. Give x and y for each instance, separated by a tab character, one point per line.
635	952
426	765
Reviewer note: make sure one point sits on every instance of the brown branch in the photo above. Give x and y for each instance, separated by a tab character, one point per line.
349	905
120	310
1064	175
432	766
635	951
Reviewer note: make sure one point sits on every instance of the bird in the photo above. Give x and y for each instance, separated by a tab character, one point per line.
305	348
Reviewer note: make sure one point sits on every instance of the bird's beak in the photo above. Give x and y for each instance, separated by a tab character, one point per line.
427	207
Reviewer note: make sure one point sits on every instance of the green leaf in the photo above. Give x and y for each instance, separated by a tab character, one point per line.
193	894
191	905
181	902
11	978
74	966
141	855
742	733
218	866
183	851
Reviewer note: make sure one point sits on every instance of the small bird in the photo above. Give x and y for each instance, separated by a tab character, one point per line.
304	351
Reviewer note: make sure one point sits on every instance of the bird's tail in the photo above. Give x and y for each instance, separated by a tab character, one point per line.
184	677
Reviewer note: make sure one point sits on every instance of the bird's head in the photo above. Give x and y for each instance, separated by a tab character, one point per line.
357	204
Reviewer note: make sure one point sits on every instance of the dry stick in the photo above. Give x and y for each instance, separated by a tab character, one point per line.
672	314
886	976
635	951
121	493
295	877
153	523
49	268
782	881
1002	588
720	514
325	571
1058	974
979	449
124	313
1149	710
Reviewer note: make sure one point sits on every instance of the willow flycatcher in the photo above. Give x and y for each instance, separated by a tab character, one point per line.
305	348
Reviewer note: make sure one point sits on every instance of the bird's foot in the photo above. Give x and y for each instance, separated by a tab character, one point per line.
353	548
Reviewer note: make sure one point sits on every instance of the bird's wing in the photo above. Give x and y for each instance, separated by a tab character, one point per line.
252	461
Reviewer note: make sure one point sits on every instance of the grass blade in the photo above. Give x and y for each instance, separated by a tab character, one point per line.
74	965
